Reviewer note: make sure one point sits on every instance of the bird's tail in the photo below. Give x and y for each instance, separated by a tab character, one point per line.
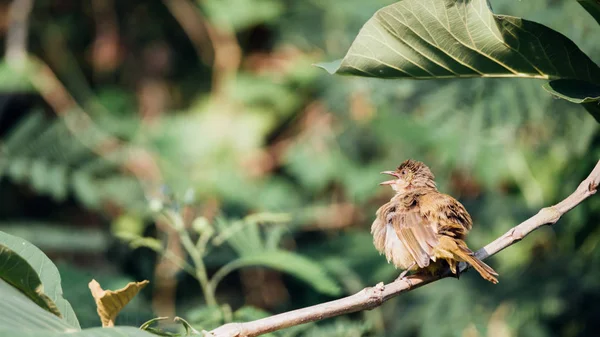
459	249
483	269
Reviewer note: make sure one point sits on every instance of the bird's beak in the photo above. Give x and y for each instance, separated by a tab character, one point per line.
390	182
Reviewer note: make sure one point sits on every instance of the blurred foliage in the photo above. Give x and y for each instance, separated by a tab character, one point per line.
275	134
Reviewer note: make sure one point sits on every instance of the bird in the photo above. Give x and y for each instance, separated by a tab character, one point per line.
420	227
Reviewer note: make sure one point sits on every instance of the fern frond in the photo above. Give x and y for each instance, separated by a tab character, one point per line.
43	154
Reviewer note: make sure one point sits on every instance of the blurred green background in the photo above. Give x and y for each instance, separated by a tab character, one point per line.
218	112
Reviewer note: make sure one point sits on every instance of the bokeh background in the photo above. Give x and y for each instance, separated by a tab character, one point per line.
212	108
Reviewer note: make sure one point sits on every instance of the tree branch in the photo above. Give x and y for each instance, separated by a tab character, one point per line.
372	297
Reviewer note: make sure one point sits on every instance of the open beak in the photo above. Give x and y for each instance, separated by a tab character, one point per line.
390	182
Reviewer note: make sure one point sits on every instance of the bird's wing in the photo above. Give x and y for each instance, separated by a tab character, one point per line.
452	218
417	231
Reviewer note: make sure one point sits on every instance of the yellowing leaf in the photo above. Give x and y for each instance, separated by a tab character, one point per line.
109	303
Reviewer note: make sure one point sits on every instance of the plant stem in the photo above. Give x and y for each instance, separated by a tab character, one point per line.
200	269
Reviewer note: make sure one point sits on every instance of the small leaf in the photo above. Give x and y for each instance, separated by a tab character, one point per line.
593	7
287	262
18	273
574	91
138	241
109	303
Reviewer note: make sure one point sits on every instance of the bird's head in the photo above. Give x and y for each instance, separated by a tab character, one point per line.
411	174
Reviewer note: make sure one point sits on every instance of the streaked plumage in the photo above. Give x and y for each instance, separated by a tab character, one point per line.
420	225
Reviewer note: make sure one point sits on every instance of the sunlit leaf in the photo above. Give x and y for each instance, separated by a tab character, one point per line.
429	39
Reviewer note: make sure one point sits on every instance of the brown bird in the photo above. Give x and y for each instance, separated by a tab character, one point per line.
420	225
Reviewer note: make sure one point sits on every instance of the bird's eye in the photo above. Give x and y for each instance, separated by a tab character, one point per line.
403	172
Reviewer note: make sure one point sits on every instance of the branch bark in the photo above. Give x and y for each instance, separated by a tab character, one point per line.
372	297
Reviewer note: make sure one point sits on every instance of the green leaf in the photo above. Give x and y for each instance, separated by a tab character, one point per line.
574	91
18	273
17	311
241	14
432	39
13	80
331	67
150	322
46	271
19	316
594	109
593	7
287	262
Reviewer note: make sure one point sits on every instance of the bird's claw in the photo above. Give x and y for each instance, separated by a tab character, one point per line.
403	277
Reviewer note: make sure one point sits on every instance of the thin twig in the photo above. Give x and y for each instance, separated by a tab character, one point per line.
227	53
372	297
16	38
194	27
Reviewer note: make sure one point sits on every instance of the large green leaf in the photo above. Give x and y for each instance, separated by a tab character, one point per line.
594	109
46	271
20	317
593	7
18	273
17	311
574	91
429	39
287	262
